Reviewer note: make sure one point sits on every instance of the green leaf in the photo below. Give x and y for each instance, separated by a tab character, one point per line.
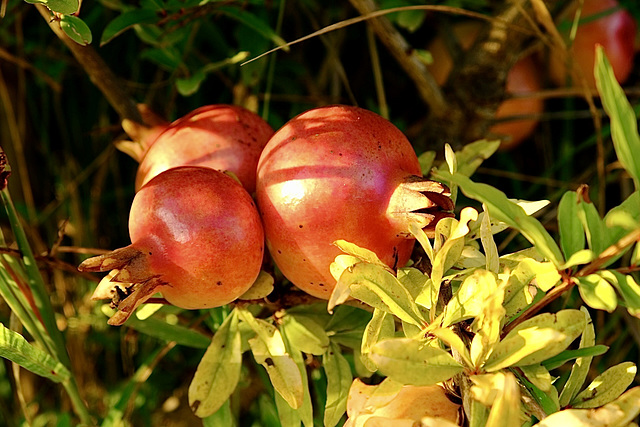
64	7
76	29
471	297
624	125
572	237
581	366
412	362
506	406
378	288
222	417
339	380
627	287
14	347
125	21
472	155
218	372
618	413
269	350
597	293
504	210
305	334
593	226
448	254
363	254
159	328
607	386
489	244
252	21
562	358
305	412
380	327
536	376
536	339
426	161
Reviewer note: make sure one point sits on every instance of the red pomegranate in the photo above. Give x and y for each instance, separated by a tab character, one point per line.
196	238
615	31
222	137
341	172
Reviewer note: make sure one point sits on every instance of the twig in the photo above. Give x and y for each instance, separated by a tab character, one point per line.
427	87
98	71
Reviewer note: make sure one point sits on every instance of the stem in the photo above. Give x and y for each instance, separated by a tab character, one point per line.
79	406
99	72
417	71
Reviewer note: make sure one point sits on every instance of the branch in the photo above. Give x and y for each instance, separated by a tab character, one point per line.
99	72
427	87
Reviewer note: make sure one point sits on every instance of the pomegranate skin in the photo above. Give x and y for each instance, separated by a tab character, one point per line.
202	234
616	33
329	174
222	137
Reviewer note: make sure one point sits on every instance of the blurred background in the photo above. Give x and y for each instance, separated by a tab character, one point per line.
73	188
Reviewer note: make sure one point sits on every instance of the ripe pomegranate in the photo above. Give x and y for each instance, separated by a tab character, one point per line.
615	31
523	79
341	172
196	238
222	137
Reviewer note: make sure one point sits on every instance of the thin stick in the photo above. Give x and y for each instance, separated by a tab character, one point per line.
99	72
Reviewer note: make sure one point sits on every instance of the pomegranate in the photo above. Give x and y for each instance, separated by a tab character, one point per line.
223	137
196	238
523	79
341	172
143	135
615	31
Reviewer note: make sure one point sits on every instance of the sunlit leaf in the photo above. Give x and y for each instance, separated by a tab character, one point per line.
305	412
597	293
501	392
218	372
624	124
606	386
305	334
339	379
447	255
627	287
537	339
378	288
14	347
269	350
504	210
412	362
535	378
471	297
618	413
362	253
380	327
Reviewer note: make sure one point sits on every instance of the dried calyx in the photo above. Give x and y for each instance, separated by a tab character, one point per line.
128	283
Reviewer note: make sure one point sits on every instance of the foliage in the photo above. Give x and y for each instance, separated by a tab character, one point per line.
483	320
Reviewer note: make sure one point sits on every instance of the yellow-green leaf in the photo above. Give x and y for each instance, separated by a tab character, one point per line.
218	372
413	362
597	293
536	339
607	386
339	379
